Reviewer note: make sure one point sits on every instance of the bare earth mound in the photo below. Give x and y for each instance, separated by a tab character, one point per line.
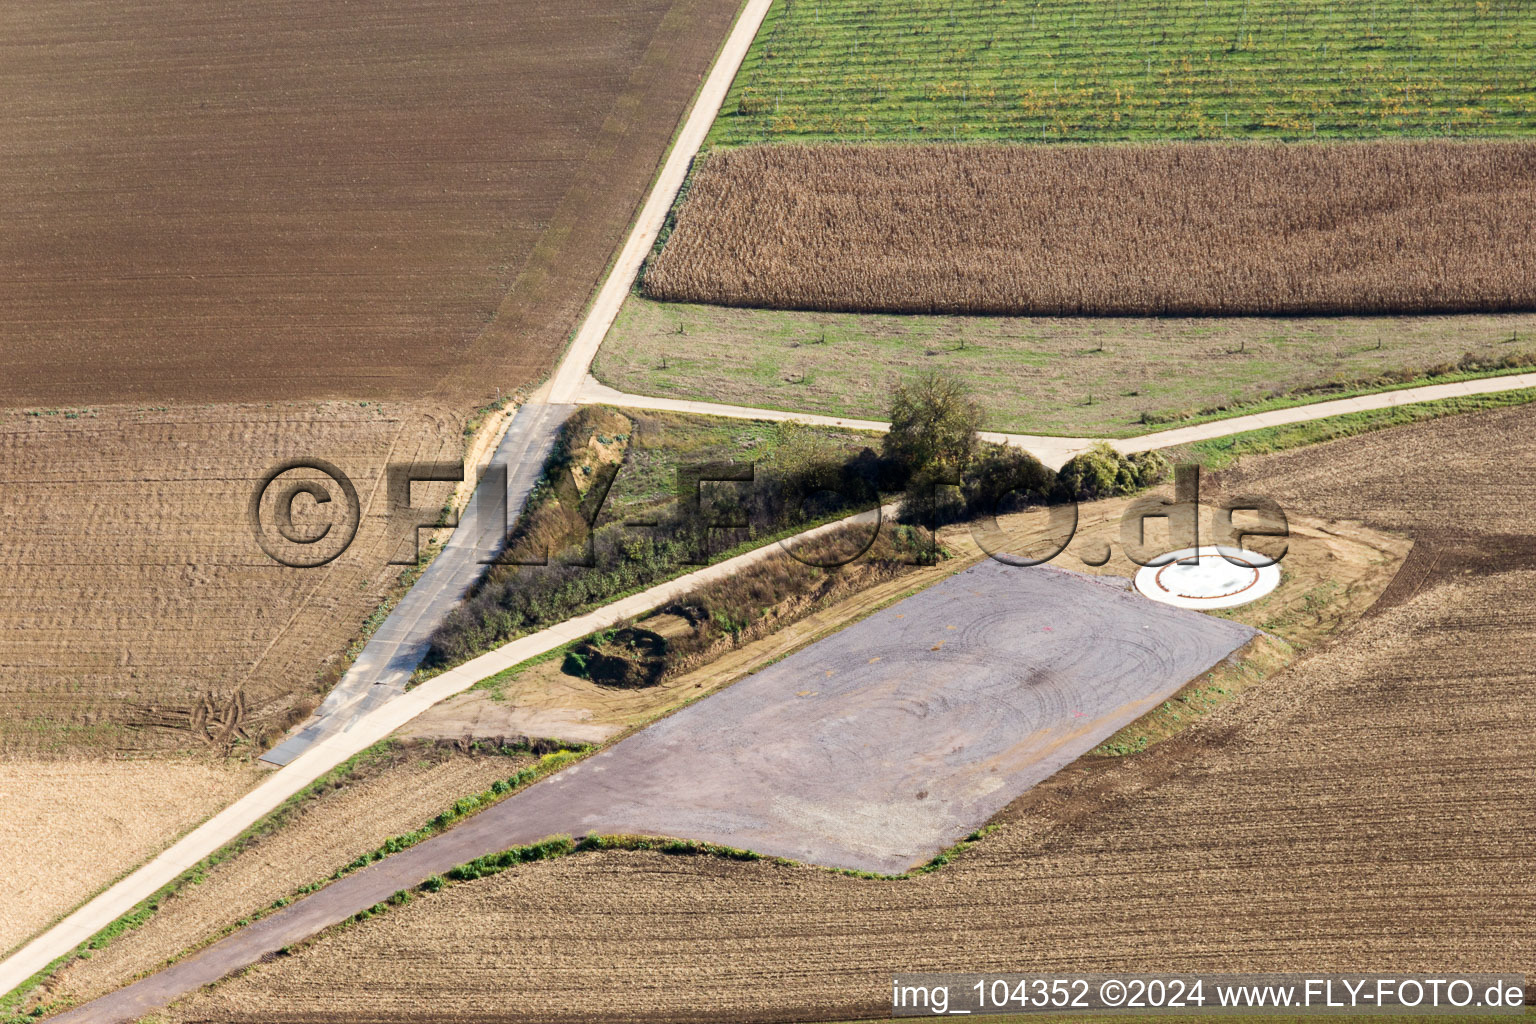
1186	229
1369	805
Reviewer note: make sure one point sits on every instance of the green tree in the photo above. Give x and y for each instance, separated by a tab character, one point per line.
933	425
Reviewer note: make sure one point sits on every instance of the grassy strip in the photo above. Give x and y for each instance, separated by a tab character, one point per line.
1221	452
1087	376
1316	395
462	808
563	846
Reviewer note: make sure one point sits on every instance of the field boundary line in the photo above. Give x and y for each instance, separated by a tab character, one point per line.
573	368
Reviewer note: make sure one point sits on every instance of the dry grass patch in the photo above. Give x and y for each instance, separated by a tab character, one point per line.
1076	376
68	829
1180	229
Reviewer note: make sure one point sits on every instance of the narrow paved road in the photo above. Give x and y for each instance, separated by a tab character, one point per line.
828	773
386	716
397	649
1055	451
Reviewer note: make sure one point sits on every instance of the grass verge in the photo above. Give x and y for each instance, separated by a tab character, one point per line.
1077	377
1221	452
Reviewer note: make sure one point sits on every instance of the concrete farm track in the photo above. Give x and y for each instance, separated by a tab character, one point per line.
570	384
949	737
1055	451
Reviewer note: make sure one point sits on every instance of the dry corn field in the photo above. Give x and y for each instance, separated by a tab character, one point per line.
1369	805
1178	229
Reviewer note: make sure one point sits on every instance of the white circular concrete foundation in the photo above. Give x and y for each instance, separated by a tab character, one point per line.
1208	577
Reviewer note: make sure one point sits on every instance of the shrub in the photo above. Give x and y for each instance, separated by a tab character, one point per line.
999	479
811	481
1102	472
1005	479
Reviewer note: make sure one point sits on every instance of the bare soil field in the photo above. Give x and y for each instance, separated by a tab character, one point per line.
128	809
275	203
1073	376
1368	805
291	200
140	614
1151	230
389	796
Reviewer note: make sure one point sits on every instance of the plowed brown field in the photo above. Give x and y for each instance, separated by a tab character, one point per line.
308	198
277	202
1369	805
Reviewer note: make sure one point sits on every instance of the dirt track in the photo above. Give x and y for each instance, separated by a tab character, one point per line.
1369	805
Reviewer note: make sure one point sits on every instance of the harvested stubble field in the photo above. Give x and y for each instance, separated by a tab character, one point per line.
390	793
248	203
1370	804
140	614
128	810
1057	70
1192	229
1083	377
